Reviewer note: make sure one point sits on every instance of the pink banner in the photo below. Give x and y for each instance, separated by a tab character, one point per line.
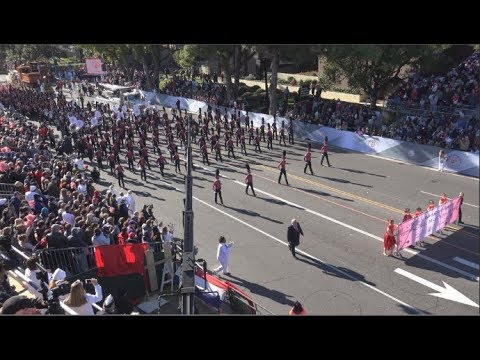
94	66
414	230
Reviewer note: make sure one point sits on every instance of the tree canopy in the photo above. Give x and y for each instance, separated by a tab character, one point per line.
371	68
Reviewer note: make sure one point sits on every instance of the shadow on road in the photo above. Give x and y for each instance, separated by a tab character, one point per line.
105	183
411	311
321	193
338	271
147	194
253	213
343	181
261	290
278	202
361	172
455	244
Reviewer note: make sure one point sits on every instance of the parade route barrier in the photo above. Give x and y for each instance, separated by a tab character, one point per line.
461	162
416	229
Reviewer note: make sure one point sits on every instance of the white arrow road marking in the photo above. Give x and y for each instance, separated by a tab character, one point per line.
446	292
447	198
466	262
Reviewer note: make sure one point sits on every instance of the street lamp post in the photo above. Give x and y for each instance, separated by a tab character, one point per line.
265	62
188	258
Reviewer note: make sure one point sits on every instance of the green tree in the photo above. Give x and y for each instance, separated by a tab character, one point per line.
230	58
273	53
147	57
21	53
371	68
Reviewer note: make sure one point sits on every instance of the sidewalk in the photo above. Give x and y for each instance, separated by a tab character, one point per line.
329	95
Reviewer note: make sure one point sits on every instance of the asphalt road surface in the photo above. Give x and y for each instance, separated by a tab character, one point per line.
342	209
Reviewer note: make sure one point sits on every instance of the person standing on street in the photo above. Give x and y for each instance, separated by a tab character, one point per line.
223	254
249	180
290	133
281	165
293	236
217	187
324	151
442	158
297	309
308	159
120	175
389	240
459	208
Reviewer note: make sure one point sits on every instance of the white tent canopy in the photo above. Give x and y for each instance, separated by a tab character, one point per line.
114	87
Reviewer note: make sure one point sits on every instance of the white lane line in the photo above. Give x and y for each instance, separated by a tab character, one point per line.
449	172
464	203
312	257
466	262
410	251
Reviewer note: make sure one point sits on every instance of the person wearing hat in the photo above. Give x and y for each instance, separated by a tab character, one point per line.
117	304
16	202
99	238
21	305
297	309
30	195
132	238
293	236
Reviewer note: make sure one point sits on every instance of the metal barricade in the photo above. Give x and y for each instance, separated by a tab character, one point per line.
7	188
73	260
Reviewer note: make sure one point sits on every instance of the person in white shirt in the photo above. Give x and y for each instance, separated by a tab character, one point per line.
79	301
79	164
29	195
130	202
112	190
82	187
223	254
68	217
32	270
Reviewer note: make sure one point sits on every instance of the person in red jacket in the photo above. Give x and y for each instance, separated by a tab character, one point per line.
142	164
161	161
407	215
281	165
431	205
418	212
308	159
297	309
217	187
443	199
324	151
120	171
249	180
389	240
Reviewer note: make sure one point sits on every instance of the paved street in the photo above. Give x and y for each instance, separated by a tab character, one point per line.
343	211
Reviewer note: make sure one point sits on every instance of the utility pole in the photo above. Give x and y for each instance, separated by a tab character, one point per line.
188	258
265	63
